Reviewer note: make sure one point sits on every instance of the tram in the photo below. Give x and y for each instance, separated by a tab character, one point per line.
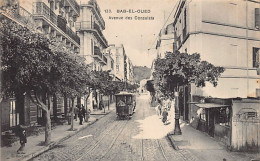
125	105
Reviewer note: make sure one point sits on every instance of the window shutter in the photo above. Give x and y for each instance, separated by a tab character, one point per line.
257	18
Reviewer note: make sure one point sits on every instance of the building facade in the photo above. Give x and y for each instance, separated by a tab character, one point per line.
54	19
90	26
165	41
93	44
120	59
130	71
225	33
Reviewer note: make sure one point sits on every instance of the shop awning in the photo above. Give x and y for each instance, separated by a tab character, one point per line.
210	105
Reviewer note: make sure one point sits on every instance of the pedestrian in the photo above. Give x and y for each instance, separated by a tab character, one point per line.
164	116
101	105
21	132
83	112
158	108
80	114
76	112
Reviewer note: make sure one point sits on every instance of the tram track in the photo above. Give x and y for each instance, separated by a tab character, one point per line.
161	149
90	149
114	140
101	139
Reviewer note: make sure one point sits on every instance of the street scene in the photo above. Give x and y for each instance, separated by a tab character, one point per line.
130	80
143	137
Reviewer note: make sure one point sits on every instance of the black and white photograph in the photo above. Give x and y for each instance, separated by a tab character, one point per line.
130	80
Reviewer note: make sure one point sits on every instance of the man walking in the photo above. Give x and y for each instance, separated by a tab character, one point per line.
80	113
23	139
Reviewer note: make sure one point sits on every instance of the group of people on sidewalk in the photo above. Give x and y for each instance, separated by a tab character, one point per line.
81	113
165	109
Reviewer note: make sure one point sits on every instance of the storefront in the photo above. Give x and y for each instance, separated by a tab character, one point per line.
235	122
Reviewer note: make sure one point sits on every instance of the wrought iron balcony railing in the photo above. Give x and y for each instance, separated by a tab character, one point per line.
19	13
88	25
97	52
84	25
75	5
104	58
41	9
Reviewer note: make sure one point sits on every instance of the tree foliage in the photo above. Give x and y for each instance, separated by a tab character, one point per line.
179	69
32	62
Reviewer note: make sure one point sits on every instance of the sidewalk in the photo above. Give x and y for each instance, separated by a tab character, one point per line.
34	145
205	147
101	112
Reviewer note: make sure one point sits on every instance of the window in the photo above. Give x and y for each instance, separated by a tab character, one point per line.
112	65
224	116
256	57
91	47
52	5
14	117
117	68
257	18
117	59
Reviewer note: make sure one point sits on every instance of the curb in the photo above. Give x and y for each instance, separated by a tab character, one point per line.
51	145
101	113
175	147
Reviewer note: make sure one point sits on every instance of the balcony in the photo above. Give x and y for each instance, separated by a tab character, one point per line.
99	56
96	27
105	59
74	5
96	7
97	53
19	14
92	27
72	34
41	10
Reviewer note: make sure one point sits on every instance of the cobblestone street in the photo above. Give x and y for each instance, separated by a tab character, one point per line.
140	138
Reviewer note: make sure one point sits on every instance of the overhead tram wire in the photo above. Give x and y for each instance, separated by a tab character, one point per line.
164	24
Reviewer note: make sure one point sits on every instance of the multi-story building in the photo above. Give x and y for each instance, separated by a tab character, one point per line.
55	19
120	58
130	71
93	43
226	33
165	41
90	26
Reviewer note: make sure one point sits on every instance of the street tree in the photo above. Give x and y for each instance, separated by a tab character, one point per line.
37	66
181	69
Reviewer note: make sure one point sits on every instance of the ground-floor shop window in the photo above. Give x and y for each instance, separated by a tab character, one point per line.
224	116
203	114
14	117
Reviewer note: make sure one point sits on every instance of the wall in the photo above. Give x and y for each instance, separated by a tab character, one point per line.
222	133
245	130
5	115
219	35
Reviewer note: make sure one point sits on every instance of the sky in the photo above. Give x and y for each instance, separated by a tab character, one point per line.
137	36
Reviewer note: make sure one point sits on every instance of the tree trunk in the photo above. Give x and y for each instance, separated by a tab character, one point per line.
48	128
72	115
45	108
55	107
87	113
65	106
